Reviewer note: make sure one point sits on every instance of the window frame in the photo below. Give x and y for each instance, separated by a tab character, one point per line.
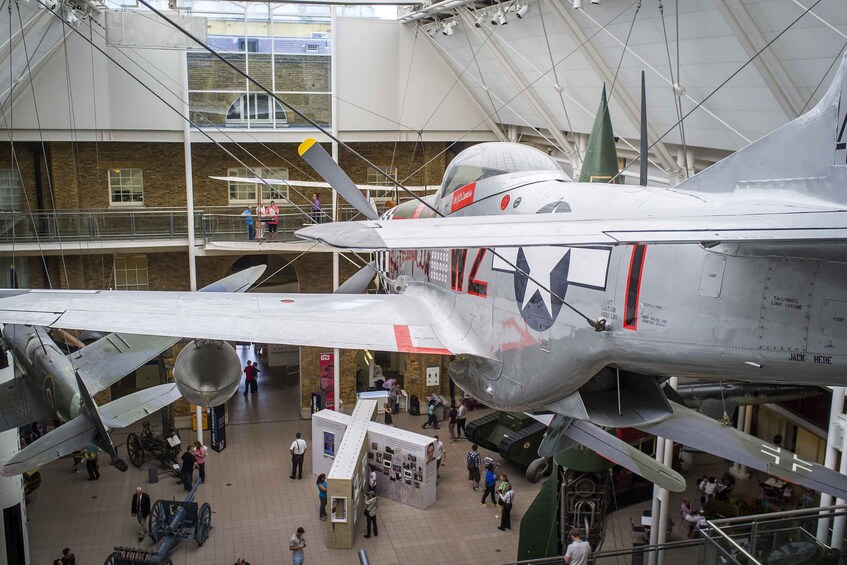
11	200
375	178
121	204
264	172
135	269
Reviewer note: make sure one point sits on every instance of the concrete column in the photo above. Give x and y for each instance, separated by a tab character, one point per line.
12	494
200	423
655	510
839	523
664	496
189	180
836	409
745	424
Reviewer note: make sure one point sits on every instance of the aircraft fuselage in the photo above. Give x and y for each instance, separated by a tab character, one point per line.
48	372
684	310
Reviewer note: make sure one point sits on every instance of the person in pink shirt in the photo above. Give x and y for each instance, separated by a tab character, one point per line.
200	457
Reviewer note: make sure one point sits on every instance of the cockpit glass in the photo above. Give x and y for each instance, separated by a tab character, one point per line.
492	159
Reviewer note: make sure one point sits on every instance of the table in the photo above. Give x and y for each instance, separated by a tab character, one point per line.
775	483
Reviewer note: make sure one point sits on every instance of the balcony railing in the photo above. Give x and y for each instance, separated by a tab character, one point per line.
210	224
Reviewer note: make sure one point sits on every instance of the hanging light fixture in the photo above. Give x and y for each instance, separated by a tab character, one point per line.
479	19
522	11
495	19
501	17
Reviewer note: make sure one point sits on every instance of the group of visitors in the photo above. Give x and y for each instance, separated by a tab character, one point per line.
456	419
505	494
194	456
267	215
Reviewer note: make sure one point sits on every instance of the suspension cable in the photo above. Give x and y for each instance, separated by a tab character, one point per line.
623	51
721	85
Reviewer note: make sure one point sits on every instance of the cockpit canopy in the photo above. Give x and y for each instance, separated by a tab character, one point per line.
487	160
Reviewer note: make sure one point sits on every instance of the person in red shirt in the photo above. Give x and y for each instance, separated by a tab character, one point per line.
251	377
272	212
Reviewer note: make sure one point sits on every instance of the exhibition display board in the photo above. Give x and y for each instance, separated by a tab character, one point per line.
347	478
328	427
404	463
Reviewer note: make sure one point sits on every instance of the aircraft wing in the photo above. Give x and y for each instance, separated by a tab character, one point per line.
129	409
19	406
64	440
421	320
111	358
691	428
743	222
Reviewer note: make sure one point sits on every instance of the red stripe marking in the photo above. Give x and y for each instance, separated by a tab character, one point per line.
634	325
404	343
418	211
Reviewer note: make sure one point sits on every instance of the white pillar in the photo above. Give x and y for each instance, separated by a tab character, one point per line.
189	177
839	522
11	488
334	128
836	408
664	495
654	512
199	424
745	424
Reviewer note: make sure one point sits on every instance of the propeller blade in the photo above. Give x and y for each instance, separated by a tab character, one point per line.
359	281
312	152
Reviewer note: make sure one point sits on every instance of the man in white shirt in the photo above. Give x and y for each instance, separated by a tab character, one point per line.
578	550
461	418
298	452
440	455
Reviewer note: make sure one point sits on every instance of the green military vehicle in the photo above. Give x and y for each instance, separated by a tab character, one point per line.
514	435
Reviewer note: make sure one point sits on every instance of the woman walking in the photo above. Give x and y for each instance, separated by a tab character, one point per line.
321	482
200	458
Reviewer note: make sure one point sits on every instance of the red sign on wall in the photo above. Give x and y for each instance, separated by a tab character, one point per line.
327	379
463	197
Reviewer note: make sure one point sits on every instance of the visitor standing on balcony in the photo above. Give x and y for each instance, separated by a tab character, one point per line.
316	209
273	219
248	221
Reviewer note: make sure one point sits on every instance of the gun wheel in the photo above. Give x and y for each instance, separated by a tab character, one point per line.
204	524
158	526
135	450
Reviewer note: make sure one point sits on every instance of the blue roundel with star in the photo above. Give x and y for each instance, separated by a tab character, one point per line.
539	294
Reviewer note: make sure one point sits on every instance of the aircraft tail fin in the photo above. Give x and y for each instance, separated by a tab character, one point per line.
807	155
696	430
129	409
64	440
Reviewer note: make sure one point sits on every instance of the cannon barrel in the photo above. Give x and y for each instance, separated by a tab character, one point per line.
743	393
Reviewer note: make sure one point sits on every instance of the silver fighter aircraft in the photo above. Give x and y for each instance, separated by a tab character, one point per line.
51	384
577	298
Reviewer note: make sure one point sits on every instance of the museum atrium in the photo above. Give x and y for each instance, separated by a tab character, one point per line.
616	303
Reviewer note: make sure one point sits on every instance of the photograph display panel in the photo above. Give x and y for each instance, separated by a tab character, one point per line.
405	470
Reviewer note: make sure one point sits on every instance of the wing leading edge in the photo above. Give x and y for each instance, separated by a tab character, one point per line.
421	320
742	222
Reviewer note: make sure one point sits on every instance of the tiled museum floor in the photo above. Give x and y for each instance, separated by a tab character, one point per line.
257	507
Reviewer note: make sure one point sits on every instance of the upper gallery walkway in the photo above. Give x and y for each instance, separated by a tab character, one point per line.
216	231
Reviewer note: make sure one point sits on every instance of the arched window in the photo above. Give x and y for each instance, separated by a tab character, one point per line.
256	106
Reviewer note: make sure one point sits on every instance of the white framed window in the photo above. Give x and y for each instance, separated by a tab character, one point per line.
131	272
11	191
245	192
254	110
375	178
21	272
126	187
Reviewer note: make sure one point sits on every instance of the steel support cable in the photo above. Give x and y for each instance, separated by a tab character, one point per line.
475	61
677	101
623	52
180	113
179	86
721	85
506	104
15	163
663	77
96	143
823	78
168	104
529	85
179	97
405	93
560	88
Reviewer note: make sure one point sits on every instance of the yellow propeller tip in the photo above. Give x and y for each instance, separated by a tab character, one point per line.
305	146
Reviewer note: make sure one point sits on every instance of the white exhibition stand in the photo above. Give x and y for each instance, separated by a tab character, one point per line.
347	448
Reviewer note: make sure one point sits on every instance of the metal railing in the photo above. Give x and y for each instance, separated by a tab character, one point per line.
210	224
777	538
674	553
